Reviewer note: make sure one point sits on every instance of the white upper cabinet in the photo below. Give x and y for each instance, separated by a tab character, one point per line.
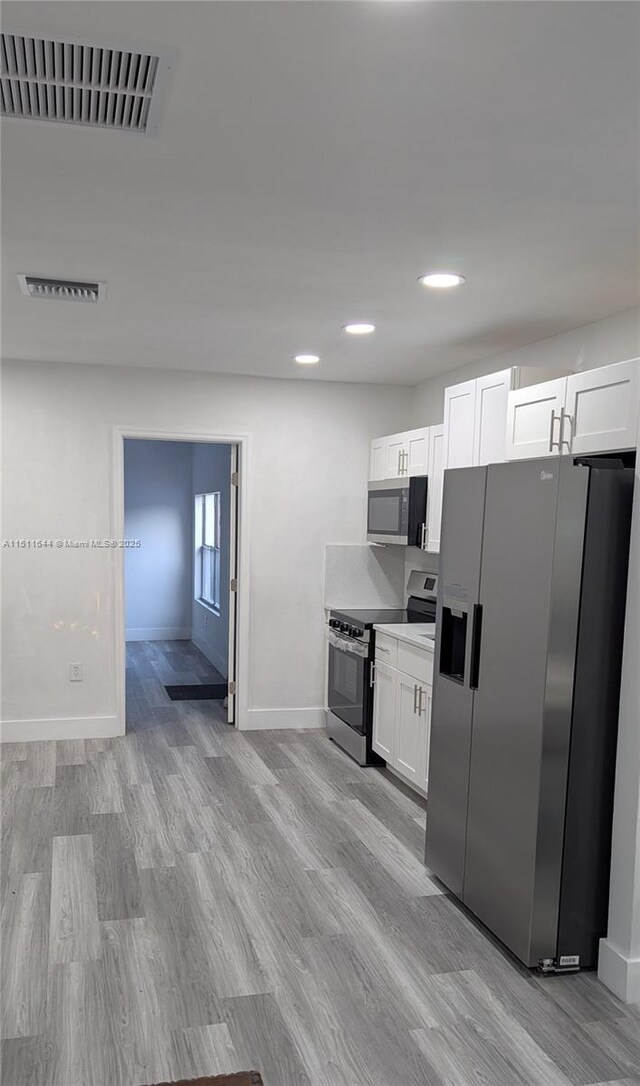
601	409
417	449
476	412
590	412
399	455
534	418
459	425
377	459
435	486
396	456
492	398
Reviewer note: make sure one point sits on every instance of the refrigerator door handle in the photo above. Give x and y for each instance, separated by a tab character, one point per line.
476	641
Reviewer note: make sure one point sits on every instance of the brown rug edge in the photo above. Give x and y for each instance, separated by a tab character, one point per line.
240	1078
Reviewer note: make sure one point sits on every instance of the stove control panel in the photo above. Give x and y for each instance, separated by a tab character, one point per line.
347	629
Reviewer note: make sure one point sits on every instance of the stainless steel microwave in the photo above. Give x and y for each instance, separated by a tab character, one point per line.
397	511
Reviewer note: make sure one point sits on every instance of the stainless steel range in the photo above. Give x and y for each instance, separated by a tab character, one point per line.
351	640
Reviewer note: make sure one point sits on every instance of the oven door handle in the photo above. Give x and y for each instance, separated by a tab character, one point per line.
356	648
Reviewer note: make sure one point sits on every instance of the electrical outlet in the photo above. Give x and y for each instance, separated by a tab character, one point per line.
75	673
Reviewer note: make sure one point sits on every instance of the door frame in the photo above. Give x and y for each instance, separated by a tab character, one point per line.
242	441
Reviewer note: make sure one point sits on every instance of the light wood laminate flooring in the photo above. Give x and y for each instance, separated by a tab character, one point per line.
189	900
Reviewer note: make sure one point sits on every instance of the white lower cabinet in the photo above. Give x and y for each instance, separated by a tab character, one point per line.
402	719
384	710
408	750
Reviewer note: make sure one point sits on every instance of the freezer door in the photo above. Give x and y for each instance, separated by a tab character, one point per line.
529	592
458	587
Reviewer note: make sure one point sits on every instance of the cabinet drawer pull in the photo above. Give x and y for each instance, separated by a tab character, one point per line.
415	698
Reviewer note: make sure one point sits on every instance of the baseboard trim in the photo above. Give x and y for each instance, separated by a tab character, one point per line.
212	656
78	727
620	974
159	633
282	719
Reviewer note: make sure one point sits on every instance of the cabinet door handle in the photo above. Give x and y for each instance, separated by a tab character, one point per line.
420	693
405	462
372	674
415	698
381	648
554	418
564	415
423	538
399	469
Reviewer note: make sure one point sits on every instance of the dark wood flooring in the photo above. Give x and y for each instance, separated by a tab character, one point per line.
152	665
189	900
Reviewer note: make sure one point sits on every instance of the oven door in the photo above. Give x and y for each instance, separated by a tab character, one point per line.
388	512
349	670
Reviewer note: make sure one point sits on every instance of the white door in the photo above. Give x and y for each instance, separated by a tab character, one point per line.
417	446
534	420
492	399
601	412
425	699
384	710
408	758
377	459
233	585
434	491
396	456
459	424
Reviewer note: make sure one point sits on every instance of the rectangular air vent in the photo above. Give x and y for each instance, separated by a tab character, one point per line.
61	290
73	83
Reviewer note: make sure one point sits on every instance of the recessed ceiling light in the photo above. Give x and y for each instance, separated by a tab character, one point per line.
441	280
359	329
307	359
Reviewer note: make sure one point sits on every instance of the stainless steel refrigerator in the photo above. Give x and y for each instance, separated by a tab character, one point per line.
530	620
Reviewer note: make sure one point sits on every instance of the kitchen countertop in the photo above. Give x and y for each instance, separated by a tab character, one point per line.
420	634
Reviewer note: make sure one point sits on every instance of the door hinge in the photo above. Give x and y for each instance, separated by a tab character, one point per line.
233	586
232	687
234	478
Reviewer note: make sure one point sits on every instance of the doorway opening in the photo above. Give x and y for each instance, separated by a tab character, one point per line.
180	571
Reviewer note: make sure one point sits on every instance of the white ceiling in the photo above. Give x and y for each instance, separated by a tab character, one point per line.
313	160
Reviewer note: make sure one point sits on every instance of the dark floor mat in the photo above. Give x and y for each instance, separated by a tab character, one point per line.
200	692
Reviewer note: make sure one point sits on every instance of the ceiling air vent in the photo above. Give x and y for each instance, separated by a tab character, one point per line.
47	80
61	290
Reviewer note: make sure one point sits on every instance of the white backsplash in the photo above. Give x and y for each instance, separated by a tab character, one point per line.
364	576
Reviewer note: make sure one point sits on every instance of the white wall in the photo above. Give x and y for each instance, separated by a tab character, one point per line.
306	479
612	340
210	629
158	510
